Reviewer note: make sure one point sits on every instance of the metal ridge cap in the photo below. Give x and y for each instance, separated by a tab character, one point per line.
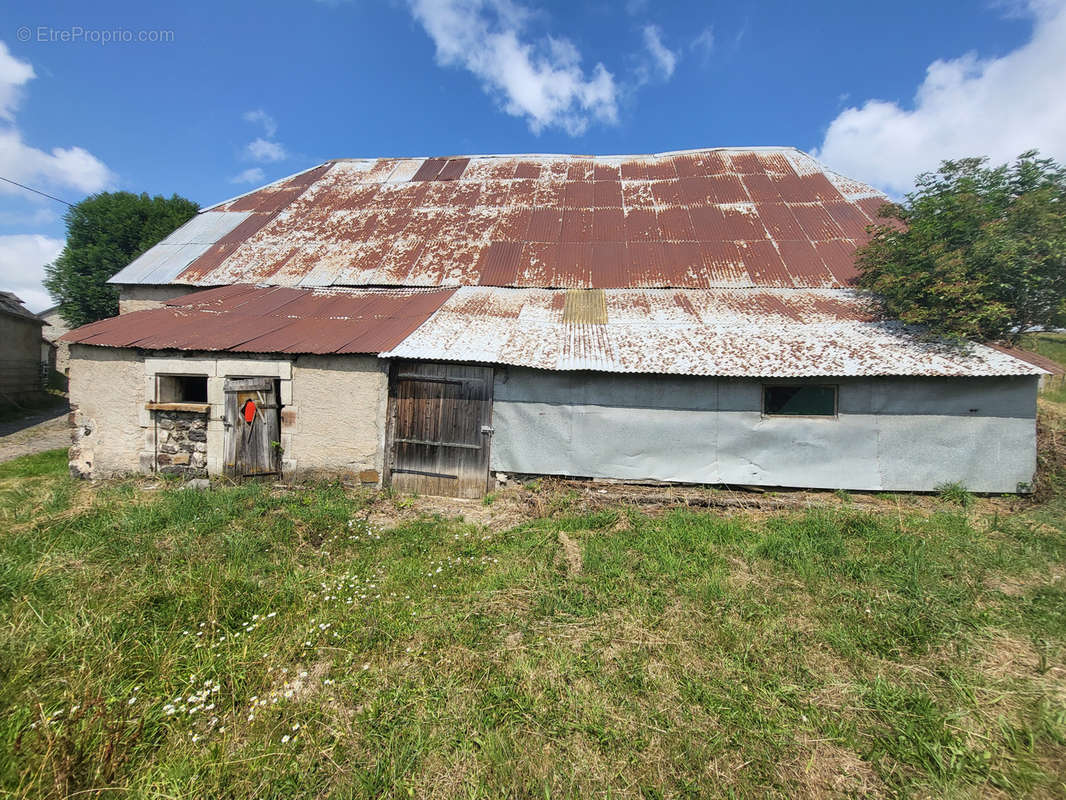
663	154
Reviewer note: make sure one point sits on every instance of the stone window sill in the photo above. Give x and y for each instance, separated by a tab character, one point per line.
197	408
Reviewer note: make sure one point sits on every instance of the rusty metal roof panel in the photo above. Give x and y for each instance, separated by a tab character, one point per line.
433	222
756	332
164	262
263	319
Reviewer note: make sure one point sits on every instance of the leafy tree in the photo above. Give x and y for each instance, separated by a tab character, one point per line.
105	232
974	252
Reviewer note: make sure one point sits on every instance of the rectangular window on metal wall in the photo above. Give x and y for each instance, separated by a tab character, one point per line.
805	400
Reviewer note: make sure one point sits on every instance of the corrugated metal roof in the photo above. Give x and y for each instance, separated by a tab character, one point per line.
1049	365
250	319
765	333
770	217
169	258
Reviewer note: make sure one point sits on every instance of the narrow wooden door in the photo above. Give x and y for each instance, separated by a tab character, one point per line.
440	428
253	428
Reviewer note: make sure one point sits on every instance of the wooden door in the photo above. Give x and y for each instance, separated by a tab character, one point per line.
440	418
253	428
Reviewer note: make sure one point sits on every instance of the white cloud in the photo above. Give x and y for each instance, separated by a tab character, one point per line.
264	150
260	117
704	43
22	260
23	255
69	167
250	175
13	75
541	80
966	106
663	57
63	167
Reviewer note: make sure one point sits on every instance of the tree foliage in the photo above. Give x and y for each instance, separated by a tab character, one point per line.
105	232
974	252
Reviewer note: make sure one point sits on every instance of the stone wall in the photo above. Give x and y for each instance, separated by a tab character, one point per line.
332	418
336	423
20	357
107	397
181	443
138	297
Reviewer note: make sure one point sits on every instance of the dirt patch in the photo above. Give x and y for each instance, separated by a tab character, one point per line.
1050	451
1018	585
826	769
501	514
571	552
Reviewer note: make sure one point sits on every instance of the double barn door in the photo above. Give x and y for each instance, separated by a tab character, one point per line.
440	428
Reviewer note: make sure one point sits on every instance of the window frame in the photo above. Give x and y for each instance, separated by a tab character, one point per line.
776	384
177	376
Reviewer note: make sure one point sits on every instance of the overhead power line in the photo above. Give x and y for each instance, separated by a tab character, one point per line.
36	191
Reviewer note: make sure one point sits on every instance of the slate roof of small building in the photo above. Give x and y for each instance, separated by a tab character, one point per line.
11	305
736	217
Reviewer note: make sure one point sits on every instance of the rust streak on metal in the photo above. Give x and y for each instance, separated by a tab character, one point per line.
254	319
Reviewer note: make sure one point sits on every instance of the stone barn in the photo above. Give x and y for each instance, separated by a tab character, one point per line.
432	323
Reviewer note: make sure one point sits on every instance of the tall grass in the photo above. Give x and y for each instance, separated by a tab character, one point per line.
246	642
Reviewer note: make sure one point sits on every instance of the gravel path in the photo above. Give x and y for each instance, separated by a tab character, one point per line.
34	434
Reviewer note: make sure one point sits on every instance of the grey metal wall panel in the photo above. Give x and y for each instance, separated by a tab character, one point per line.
605	442
984	397
986	454
814	453
622	426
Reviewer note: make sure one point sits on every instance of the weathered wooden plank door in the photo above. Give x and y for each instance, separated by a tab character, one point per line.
440	418
253	428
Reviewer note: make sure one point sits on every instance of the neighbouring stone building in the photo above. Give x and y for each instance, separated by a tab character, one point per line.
57	351
21	366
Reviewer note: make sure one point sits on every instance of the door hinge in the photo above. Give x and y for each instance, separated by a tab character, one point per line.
488	430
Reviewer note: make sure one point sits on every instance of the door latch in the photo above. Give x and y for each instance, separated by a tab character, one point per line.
488	430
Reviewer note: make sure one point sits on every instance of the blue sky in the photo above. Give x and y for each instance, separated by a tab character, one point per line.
224	97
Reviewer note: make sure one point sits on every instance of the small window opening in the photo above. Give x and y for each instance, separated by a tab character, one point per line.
182	389
806	400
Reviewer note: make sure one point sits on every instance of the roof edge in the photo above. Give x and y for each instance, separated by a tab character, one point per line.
214	206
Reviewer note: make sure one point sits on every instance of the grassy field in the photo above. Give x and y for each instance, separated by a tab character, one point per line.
318	642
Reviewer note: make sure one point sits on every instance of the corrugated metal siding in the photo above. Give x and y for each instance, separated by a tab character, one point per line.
728	332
